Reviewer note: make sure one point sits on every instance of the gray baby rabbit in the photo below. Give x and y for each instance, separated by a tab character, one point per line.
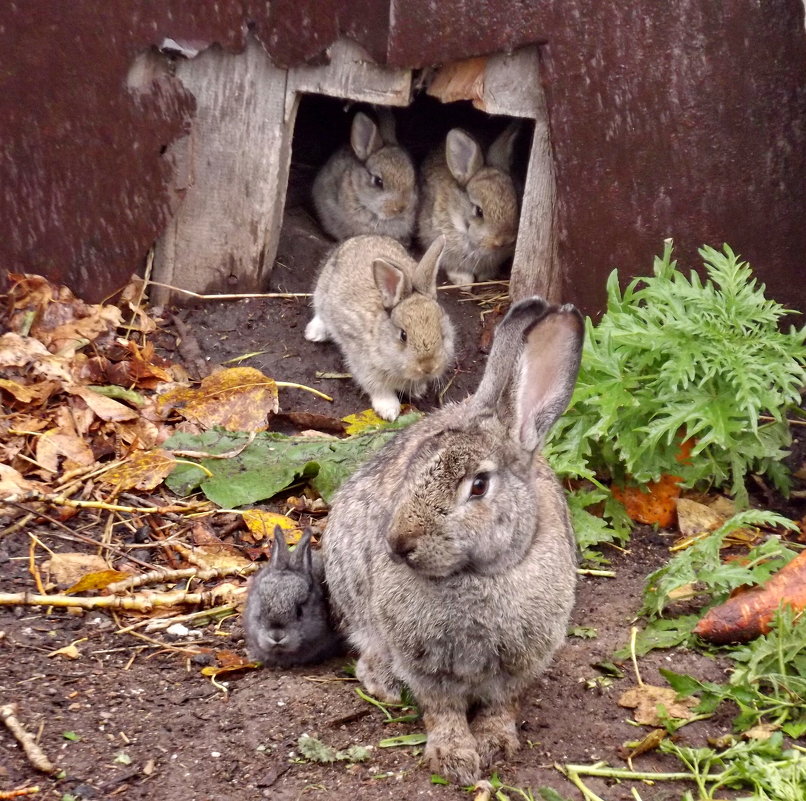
369	187
380	307
286	621
450	556
472	203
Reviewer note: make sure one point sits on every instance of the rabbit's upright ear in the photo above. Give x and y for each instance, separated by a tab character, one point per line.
463	154
499	154
302	553
425	273
532	369
386	124
279	552
365	139
392	282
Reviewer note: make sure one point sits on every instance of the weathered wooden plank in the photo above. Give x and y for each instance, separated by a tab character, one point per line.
353	75
238	152
535	266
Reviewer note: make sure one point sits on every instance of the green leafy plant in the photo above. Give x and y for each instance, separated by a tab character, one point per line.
701	564
762	766
673	358
768	684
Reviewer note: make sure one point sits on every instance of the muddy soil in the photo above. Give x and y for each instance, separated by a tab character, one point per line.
130	719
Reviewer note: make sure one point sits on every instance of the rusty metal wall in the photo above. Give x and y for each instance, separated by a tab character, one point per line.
684	120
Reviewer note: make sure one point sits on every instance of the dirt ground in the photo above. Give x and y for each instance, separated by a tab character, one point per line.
129	719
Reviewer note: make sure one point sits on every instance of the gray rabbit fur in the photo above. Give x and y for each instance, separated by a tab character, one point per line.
287	618
380	307
471	201
449	555
370	186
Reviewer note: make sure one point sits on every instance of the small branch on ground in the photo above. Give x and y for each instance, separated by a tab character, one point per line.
36	756
161	576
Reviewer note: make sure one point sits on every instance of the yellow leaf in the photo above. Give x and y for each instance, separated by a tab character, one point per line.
238	399
144	471
69	651
356	423
262	524
96	581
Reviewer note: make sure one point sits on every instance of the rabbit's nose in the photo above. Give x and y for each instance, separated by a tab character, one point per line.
427	365
503	241
277	636
395	207
401	547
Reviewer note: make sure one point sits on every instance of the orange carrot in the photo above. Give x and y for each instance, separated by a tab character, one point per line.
748	614
652	503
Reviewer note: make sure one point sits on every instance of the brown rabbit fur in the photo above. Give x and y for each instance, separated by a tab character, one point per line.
472	203
368	187
449	555
380	307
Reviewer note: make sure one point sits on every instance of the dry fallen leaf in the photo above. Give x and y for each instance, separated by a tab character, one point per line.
645	699
13	486
262	524
238	399
97	581
143	470
105	408
696	518
69	651
66	569
359	421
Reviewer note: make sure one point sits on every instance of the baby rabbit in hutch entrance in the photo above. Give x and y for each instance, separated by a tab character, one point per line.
450	556
472	203
287	619
369	187
380	307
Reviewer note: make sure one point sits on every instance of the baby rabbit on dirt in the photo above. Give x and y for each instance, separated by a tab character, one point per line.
449	554
369	187
380	307
472	203
286	621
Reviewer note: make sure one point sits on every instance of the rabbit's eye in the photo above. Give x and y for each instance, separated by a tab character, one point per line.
478	486
478	212
298	610
377	181
403	335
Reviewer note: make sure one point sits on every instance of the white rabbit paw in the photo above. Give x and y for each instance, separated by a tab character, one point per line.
316	331
386	406
460	277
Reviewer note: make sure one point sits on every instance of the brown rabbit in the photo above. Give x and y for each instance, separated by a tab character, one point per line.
369	187
380	307
472	203
450	556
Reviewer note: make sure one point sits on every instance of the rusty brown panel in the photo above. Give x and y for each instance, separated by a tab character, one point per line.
424	33
83	179
690	122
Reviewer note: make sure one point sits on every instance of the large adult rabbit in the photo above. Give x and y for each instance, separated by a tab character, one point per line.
450	556
471	201
370	186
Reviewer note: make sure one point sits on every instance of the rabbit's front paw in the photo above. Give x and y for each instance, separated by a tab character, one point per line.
316	331
457	760
375	673
496	734
386	406
458	277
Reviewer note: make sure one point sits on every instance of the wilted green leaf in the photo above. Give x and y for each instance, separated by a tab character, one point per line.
403	739
271	462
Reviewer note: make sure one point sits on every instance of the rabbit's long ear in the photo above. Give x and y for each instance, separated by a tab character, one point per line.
301	558
463	155
279	552
365	138
546	374
424	279
386	123
531	369
499	154
392	282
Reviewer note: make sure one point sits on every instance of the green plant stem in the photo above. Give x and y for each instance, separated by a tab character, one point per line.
629	775
585	571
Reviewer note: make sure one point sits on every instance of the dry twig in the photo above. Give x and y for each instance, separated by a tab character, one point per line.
161	576
36	756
